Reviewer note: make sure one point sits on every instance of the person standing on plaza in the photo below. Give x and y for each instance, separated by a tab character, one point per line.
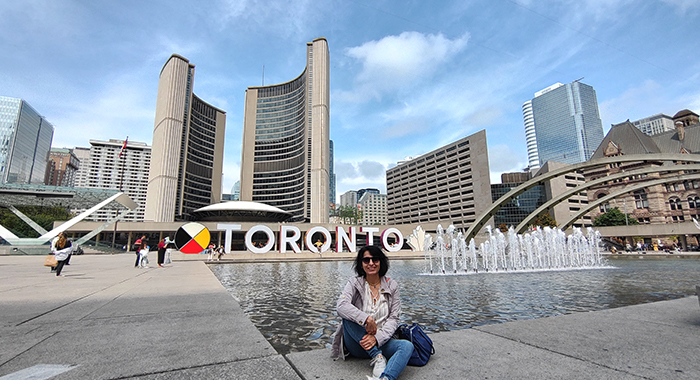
210	252
161	252
370	307
169	246
139	244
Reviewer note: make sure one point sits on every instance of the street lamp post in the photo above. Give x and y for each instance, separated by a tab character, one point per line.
121	183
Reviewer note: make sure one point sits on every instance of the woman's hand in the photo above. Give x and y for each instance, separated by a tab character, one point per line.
368	341
371	326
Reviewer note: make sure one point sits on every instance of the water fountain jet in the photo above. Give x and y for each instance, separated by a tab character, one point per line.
539	250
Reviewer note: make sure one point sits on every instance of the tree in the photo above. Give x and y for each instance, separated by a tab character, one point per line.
614	217
544	220
43	216
349	214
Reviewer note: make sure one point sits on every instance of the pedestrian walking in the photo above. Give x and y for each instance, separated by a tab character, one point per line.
139	246
161	252
62	252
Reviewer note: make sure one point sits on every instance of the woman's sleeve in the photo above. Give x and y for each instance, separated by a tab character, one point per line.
392	322
346	309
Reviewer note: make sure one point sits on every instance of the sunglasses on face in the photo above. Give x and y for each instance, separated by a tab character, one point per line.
366	260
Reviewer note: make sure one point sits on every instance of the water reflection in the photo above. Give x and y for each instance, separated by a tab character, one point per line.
293	304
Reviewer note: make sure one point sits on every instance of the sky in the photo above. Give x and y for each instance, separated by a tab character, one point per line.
407	77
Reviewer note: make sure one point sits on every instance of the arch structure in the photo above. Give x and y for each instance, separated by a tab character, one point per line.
542	179
567	194
626	190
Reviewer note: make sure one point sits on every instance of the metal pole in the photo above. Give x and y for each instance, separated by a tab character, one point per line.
626	220
121	182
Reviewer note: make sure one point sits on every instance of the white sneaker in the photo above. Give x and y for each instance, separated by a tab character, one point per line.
379	364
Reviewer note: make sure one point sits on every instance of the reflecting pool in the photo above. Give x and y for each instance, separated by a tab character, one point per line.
293	304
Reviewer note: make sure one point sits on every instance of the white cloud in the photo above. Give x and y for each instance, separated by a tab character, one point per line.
359	175
345	171
50	22
684	6
365	170
406	126
502	159
400	61
121	109
649	98
484	116
371	170
282	17
166	46
694	102
579	10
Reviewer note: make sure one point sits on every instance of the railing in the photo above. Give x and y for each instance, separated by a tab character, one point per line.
25	250
102	248
612	243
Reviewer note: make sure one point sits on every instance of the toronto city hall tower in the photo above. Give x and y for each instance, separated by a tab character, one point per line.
286	133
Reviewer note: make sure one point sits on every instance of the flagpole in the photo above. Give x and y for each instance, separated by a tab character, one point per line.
121	182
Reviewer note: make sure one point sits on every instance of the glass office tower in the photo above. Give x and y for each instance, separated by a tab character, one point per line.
25	142
566	124
519	208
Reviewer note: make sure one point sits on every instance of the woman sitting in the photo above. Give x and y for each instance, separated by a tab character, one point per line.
370	306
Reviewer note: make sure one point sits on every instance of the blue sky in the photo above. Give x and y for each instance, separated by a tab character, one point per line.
406	76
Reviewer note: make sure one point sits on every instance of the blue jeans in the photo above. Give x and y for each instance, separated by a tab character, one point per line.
396	350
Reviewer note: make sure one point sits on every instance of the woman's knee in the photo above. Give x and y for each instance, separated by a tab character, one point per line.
405	345
352	330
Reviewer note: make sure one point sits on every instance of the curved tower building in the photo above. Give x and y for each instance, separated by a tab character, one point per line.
286	133
533	161
188	147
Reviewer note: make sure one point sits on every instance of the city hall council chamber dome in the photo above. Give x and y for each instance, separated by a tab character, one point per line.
241	211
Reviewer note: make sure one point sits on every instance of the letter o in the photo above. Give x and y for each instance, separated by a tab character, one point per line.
249	239
310	233
385	240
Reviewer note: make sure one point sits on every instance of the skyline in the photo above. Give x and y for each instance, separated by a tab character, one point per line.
406	78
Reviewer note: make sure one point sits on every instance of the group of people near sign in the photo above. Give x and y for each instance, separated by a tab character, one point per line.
214	251
142	249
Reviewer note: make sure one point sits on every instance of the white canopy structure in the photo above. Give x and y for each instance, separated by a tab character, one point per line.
12	195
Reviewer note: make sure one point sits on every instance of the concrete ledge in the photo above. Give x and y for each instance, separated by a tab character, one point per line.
650	341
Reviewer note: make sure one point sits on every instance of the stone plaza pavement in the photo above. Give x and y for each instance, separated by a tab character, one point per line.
108	320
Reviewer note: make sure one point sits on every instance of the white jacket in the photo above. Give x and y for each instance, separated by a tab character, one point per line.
62	254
